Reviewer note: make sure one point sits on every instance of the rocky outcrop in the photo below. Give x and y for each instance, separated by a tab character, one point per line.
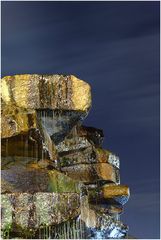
57	180
56	92
60	101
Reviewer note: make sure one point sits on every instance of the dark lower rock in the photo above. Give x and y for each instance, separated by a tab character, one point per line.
92	173
56	216
107	208
101	223
71	229
24	213
35	178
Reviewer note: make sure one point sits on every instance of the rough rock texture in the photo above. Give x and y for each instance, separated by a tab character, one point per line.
79	138
119	194
46	92
91	173
95	219
82	158
16	120
60	101
57	182
34	178
32	211
23	134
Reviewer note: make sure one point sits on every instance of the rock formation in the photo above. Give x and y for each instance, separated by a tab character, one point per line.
57	181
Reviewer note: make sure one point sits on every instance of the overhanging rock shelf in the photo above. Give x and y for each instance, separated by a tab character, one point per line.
57	181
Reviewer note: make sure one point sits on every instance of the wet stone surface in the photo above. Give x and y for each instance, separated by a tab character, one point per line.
57	181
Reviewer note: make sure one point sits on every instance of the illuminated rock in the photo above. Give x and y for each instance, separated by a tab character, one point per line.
103	223
111	209
23	134
61	101
119	193
33	91
57	181
104	156
15	121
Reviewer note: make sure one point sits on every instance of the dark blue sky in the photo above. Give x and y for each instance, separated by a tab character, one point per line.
115	47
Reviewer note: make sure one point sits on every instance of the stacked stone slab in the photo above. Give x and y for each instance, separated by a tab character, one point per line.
82	158
57	181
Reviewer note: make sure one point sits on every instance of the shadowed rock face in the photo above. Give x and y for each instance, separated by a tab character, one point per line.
57	182
58	123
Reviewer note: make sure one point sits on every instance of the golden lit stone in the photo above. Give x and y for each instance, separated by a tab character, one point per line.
16	121
81	94
46	91
104	156
120	193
